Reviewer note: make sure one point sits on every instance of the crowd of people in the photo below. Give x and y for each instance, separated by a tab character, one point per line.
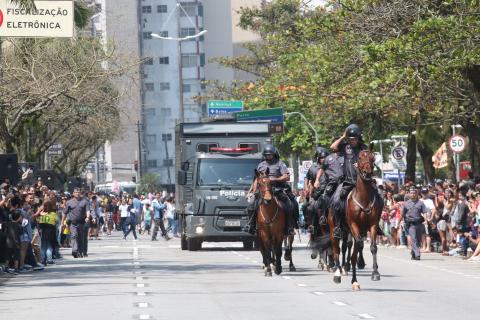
450	225
36	222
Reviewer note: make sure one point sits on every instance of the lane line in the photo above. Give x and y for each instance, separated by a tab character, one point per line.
142	305
301	285
144	317
339	303
286	278
365	316
141	294
139	278
318	293
140	285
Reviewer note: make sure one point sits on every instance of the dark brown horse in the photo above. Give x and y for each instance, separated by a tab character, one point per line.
363	211
270	225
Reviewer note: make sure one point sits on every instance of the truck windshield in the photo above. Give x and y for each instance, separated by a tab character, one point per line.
226	172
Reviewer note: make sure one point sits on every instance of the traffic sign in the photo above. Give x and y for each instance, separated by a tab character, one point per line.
55	149
399	153
273	115
457	144
222	107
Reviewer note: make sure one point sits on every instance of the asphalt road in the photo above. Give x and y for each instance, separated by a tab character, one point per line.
156	280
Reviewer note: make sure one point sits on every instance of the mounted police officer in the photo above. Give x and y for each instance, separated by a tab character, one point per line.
412	214
349	145
332	172
314	194
279	175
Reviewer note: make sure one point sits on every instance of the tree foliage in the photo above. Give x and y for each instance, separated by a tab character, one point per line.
391	66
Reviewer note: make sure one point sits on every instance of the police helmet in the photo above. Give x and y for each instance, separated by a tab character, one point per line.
321	152
269	149
354	131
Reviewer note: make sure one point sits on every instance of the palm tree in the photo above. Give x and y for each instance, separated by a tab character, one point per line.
81	11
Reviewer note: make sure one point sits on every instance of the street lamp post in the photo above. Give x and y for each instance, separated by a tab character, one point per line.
307	122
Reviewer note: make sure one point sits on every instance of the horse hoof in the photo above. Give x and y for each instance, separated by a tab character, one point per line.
321	266
344	272
337	279
361	266
314	255
287	257
278	270
292	268
269	273
355	286
347	267
375	276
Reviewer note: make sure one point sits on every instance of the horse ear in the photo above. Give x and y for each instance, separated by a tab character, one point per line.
371	147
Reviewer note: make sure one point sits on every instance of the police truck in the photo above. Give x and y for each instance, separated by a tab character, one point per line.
215	164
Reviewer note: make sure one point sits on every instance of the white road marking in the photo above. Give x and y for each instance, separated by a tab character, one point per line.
142	305
136	263
301	285
339	303
254	261
139	278
174	246
365	316
286	278
141	294
318	293
140	285
144	317
136	267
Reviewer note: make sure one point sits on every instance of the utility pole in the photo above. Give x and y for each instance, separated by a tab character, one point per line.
140	162
180	71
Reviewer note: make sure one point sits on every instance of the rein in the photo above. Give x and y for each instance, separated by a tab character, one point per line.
369	208
268	222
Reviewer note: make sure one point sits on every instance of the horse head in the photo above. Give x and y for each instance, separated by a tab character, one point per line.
365	164
264	185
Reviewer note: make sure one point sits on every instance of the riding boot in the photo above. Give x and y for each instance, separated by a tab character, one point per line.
337	231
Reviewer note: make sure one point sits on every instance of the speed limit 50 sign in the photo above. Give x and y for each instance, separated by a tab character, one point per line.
457	143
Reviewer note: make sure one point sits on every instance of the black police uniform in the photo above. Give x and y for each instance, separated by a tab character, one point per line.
310	207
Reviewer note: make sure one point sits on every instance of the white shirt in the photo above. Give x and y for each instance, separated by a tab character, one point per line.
170	210
430	206
123	210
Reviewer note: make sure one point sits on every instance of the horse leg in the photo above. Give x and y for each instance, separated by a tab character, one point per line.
355	284
290	249
337	278
373	250
277	248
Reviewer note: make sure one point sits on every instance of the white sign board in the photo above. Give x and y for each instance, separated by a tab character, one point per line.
399	153
307	164
457	144
50	19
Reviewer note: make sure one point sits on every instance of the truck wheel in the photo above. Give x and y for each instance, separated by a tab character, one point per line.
248	244
183	242
193	245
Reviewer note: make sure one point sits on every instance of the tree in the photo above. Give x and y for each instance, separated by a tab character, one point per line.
378	63
149	183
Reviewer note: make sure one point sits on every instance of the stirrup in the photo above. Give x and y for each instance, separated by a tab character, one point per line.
337	232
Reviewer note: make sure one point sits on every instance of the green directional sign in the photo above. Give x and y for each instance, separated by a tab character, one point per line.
274	115
225	104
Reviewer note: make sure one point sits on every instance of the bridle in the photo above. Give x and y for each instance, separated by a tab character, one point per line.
266	187
368	177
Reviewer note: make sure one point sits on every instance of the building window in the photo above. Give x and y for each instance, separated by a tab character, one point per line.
164	60
149	86
167	162
144	75
162	8
164	86
202	59
166	112
189	60
148	61
203	84
189	8
149	112
151	139
187	88
184	32
147	35
152	163
167	136
146	9
200	10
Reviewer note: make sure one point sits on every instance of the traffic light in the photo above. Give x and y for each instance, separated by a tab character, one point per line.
134	179
135	165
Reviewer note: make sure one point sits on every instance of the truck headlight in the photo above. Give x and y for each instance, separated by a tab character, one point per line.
199	229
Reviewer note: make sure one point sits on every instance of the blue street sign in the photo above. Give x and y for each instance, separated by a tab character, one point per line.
223	107
215	111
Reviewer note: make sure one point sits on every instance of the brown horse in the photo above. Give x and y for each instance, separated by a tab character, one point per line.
270	224
363	211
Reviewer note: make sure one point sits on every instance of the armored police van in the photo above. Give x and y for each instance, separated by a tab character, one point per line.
215	163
